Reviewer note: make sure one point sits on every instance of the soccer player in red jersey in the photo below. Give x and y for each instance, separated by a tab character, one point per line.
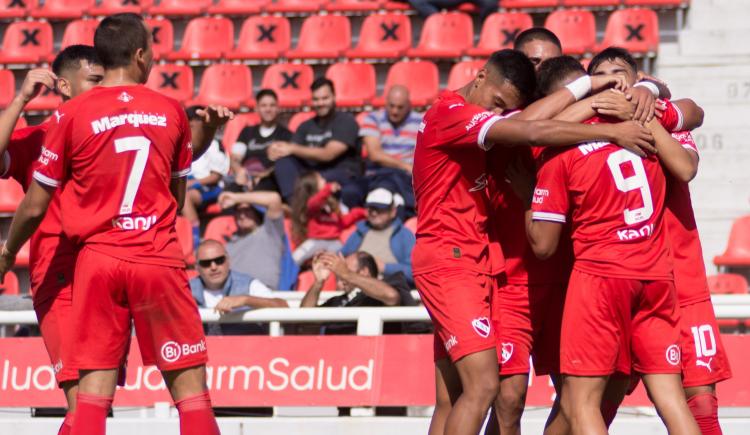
455	265
120	154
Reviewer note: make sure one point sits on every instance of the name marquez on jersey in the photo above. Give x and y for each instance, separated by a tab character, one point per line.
589	147
135	119
630	234
130	223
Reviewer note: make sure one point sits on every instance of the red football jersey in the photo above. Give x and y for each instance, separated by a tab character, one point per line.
114	150
689	269
450	186
615	202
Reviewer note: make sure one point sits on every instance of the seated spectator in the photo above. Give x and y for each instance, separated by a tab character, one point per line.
205	179
327	143
389	136
258	244
252	168
383	236
224	290
429	7
317	220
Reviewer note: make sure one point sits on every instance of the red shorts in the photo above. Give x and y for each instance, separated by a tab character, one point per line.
704	360
459	304
55	314
109	292
610	324
527	320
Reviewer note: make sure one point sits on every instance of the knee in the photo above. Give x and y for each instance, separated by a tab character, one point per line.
485	389
703	405
510	402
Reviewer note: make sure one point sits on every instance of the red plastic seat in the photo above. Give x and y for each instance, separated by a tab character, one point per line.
298	118
185	237
7	87
175	81
306	279
529	4
13	9
636	30
11	195
206	38
60	9
737	252
47	100
444	35
27	42
238	7
220	228
23	256
175	8
79	32
296	6
354	82
290	81
727	284
10	286
383	36
670	3
590	3
162	32
234	127
263	37
111	7
225	84
420	77
323	36
354	5
499	31
575	28
464	72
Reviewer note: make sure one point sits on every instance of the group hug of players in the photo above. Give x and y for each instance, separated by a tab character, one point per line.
555	222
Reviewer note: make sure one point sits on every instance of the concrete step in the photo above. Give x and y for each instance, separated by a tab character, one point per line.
717	41
705	14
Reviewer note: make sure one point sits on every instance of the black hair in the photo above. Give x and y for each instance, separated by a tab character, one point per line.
367	261
554	70
266	93
71	57
320	82
611	54
515	67
118	37
536	34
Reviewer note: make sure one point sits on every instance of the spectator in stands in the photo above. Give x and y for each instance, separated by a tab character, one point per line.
538	44
429	7
225	290
258	245
251	166
383	236
390	136
327	143
205	179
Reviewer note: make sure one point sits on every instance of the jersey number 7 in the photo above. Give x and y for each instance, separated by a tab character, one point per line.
636	181
141	146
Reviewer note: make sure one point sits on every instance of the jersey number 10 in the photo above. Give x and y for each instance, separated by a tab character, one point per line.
637	181
141	146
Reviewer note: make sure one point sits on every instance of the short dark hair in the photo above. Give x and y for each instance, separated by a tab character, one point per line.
536	34
118	37
552	71
367	261
515	67
611	54
70	58
266	93
320	82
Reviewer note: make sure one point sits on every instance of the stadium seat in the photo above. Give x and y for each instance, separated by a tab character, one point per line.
727	284
636	30
173	8
79	32
737	252
354	82
263	37
46	101
499	31
463	72
354	5
22	258
234	127
306	279
162	32
26	42
396	6
220	229
226	84
444	35
11	195
298	118
383	36
185	237
206	38
111	7
529	4
238	7
13	9
323	36
421	77
172	80
60	9
10	285
575	28
411	224
590	3
656	3
21	123
7	87
296	6
290	81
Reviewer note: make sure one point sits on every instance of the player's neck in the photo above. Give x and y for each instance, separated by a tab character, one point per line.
120	77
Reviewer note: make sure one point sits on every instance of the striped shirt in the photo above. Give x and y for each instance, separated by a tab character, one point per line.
398	141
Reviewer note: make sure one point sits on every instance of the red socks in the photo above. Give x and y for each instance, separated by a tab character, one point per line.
705	409
196	416
91	415
66	425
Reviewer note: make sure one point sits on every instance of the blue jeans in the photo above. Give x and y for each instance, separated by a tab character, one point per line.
429	7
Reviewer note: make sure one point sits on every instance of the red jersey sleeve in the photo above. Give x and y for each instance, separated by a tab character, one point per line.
551	200
184	153
355	215
464	125
316	202
671	119
52	165
23	150
686	140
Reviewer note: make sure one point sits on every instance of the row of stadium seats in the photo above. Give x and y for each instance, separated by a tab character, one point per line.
72	9
383	36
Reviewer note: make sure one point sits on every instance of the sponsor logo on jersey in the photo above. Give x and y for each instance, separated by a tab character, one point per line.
129	223
506	352
673	355
450	342
125	97
171	351
476	119
422	125
539	195
46	155
58	366
707	365
590	147
479	184
135	119
481	326
644	231
58	115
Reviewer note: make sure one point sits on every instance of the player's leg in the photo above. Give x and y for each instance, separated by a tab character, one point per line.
480	385
617	387
704	406
665	391
580	402
190	395
447	391
556	423
510	402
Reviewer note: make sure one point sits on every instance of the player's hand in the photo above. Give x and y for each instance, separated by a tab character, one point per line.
600	82
663	88
644	104
659	108
229	303
35	80
279	150
335	186
522	180
227	200
7	260
634	137
336	263
319	269
215	116
614	103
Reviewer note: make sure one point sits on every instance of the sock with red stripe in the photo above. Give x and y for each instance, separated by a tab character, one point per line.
197	416
705	409
91	414
66	425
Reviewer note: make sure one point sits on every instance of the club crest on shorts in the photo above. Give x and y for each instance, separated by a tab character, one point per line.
673	355
481	326
506	352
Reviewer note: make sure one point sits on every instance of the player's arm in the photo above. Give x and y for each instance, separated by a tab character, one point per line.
212	117
376	154
692	114
679	161
177	187
372	287
270	200
660	86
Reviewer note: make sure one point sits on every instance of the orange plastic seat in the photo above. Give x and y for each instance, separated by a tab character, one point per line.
464	72
529	4
220	228
420	77
79	32
21	123
13	9
60	9
636	30
7	87
322	36
10	286
185	237
11	195
180	7
162	33
590	3
727	284
27	42
206	38
175	81
225	84
354	5
306	279
354	82
238	7
23	256
444	35
575	28
296	6
291	83
298	118
47	100
737	252
111	7
233	128
383	36
263	37
499	31
663	3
